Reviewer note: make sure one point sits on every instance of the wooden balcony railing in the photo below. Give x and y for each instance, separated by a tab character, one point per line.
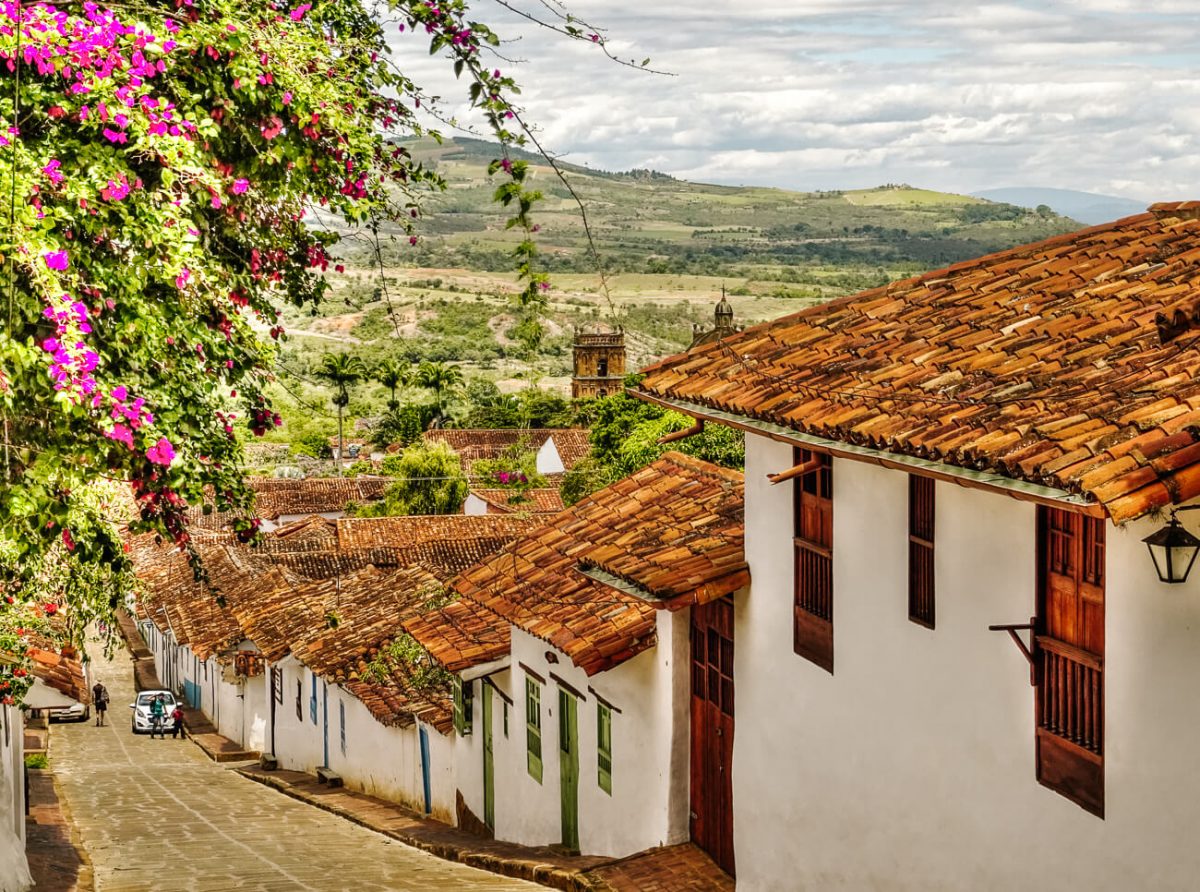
1071	693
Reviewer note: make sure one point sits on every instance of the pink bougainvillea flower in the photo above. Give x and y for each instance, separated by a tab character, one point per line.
183	278
287	98
272	128
51	172
299	12
161	453
121	434
115	135
55	259
240	186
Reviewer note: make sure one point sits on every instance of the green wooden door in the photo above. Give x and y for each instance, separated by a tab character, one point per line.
489	764
568	768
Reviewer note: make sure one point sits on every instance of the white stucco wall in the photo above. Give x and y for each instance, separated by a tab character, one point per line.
474	505
14	868
386	762
912	766
548	460
299	742
649	738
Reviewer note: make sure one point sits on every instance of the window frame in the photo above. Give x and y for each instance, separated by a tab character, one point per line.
604	762
922	532
812	559
533	728
464	701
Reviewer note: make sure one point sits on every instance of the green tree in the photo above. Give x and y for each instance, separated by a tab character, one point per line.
402	425
391	374
163	161
430	481
341	371
442	378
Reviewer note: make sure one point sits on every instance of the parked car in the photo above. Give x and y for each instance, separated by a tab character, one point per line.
76	712
141	711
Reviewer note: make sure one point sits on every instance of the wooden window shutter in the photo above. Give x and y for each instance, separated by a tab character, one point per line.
463	703
813	552
533	729
604	747
1069	656
920	550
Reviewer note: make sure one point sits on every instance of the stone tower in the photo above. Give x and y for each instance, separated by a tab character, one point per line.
722	324
599	357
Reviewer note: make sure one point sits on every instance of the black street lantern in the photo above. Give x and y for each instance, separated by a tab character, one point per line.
1173	550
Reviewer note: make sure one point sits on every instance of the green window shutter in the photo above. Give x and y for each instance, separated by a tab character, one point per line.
533	729
604	746
460	724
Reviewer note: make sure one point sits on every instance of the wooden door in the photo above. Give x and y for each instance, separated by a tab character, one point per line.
1070	656
712	731
568	768
489	761
813	608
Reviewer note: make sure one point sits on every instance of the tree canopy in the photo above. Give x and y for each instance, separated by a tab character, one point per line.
171	170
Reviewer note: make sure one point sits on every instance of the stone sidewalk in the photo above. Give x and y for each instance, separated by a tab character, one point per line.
51	845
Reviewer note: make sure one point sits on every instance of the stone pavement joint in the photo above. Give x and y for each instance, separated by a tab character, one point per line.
540	865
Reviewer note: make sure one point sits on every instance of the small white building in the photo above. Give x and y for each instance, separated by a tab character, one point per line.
949	481
572	653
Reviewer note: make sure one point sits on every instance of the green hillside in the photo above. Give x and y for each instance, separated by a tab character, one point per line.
668	246
651	223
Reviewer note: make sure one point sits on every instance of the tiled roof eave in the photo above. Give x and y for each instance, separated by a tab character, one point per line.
1015	488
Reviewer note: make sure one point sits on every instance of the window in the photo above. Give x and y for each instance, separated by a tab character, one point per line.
604	746
533	729
1069	656
464	698
342	723
505	719
920	550
312	701
812	632
299	700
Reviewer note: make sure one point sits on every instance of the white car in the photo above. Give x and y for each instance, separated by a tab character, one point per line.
76	712
141	711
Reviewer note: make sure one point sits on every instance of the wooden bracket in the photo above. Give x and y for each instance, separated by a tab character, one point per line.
1026	651
697	428
807	467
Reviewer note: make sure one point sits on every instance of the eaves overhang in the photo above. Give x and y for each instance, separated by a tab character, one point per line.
922	467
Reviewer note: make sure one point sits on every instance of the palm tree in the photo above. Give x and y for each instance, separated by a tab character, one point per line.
441	378
391	375
340	370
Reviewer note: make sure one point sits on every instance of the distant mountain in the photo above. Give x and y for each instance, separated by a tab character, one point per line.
1086	207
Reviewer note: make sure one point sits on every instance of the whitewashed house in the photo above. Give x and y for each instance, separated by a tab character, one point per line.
931	468
572	655
557	449
14	867
284	645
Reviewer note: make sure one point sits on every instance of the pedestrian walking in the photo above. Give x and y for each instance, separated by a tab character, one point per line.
158	709
177	727
100	702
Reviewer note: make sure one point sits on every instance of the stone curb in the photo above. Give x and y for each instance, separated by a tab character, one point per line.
533	871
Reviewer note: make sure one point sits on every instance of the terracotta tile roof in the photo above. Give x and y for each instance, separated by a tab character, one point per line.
1072	363
462	634
542	500
473	444
397	703
665	537
275	496
63	673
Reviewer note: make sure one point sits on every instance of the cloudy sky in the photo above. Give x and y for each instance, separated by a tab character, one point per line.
1098	95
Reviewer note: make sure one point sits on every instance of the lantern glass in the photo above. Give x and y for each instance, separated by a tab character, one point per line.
1173	550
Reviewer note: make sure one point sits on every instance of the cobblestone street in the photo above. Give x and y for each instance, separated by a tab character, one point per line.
158	815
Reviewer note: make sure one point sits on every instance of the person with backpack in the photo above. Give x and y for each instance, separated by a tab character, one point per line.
158	709
100	702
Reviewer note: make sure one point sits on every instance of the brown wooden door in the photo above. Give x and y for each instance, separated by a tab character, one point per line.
1070	656
813	608
712	731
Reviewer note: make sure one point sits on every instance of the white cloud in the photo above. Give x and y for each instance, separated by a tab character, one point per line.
815	94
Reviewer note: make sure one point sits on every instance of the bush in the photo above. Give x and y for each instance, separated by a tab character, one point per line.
36	760
313	444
